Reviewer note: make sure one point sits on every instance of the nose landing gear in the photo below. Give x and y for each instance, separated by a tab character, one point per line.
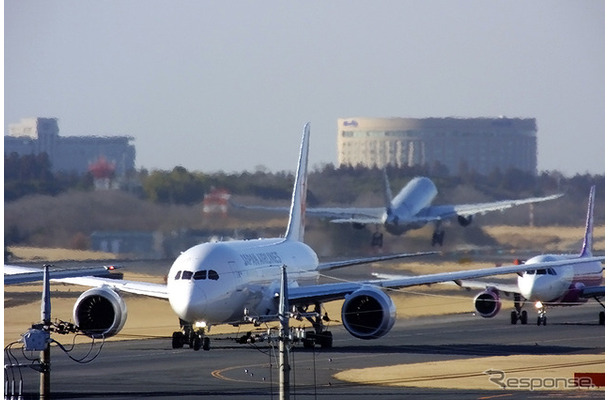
193	337
541	314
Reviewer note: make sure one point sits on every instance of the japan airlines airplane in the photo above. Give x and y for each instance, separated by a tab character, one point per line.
238	282
410	209
567	285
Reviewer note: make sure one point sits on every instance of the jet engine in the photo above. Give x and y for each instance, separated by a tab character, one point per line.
488	303
100	312
368	313
464	221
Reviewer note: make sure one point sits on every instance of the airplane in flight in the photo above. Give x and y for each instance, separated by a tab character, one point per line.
567	285
238	282
410	209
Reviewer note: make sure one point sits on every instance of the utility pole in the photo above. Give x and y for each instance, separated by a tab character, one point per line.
284	338
45	354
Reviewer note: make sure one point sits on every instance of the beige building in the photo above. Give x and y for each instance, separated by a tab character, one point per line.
460	144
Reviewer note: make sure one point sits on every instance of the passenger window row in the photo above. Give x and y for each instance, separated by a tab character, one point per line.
198	275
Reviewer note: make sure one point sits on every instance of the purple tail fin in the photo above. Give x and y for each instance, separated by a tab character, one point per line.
587	244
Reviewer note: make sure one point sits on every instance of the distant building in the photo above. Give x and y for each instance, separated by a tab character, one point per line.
216	202
461	144
69	153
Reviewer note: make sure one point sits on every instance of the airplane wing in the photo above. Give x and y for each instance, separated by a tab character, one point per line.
506	288
90	276
156	290
346	263
433	213
14	274
363	215
336	291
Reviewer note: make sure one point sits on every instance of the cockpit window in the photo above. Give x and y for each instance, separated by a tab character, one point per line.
186	275
542	271
178	275
213	275
200	275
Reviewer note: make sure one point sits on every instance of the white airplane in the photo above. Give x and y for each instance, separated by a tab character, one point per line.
567	285
410	209
238	282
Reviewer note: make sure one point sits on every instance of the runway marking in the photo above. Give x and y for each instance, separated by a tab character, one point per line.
471	373
218	373
496	396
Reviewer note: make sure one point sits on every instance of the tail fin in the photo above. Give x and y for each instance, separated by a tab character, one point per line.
387	192
587	244
296	223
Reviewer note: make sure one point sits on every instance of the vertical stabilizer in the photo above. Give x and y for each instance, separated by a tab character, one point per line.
387	192
587	244
296	223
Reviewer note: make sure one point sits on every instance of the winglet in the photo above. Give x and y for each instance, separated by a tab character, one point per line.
587	244
296	223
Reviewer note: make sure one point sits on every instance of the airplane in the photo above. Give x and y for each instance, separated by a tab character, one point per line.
567	285
238	282
410	209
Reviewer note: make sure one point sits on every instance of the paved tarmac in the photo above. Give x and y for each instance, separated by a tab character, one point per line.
151	368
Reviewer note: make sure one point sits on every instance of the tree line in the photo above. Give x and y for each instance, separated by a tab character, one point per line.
32	174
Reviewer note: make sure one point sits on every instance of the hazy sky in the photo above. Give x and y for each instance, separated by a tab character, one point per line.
228	85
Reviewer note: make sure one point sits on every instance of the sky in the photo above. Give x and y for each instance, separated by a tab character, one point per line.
228	85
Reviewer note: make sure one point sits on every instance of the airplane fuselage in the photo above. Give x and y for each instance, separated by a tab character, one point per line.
215	282
559	286
412	199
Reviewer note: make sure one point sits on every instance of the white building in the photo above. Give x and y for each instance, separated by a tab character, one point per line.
460	144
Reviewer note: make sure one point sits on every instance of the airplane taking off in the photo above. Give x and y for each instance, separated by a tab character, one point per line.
410	209
567	285
238	282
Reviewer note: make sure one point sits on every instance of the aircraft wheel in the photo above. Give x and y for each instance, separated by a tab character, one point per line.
177	340
544	320
197	343
433	239
326	339
539	321
206	344
523	317
602	317
310	340
513	317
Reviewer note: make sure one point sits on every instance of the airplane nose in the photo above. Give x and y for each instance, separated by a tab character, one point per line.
188	301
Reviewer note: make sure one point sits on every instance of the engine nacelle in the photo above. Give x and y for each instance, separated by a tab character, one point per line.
464	221
100	312
368	313
488	303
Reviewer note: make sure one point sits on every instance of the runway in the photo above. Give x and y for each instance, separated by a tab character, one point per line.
151	368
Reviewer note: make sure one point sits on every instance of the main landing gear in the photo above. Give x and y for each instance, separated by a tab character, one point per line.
439	234
377	239
193	337
320	335
602	314
518	314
